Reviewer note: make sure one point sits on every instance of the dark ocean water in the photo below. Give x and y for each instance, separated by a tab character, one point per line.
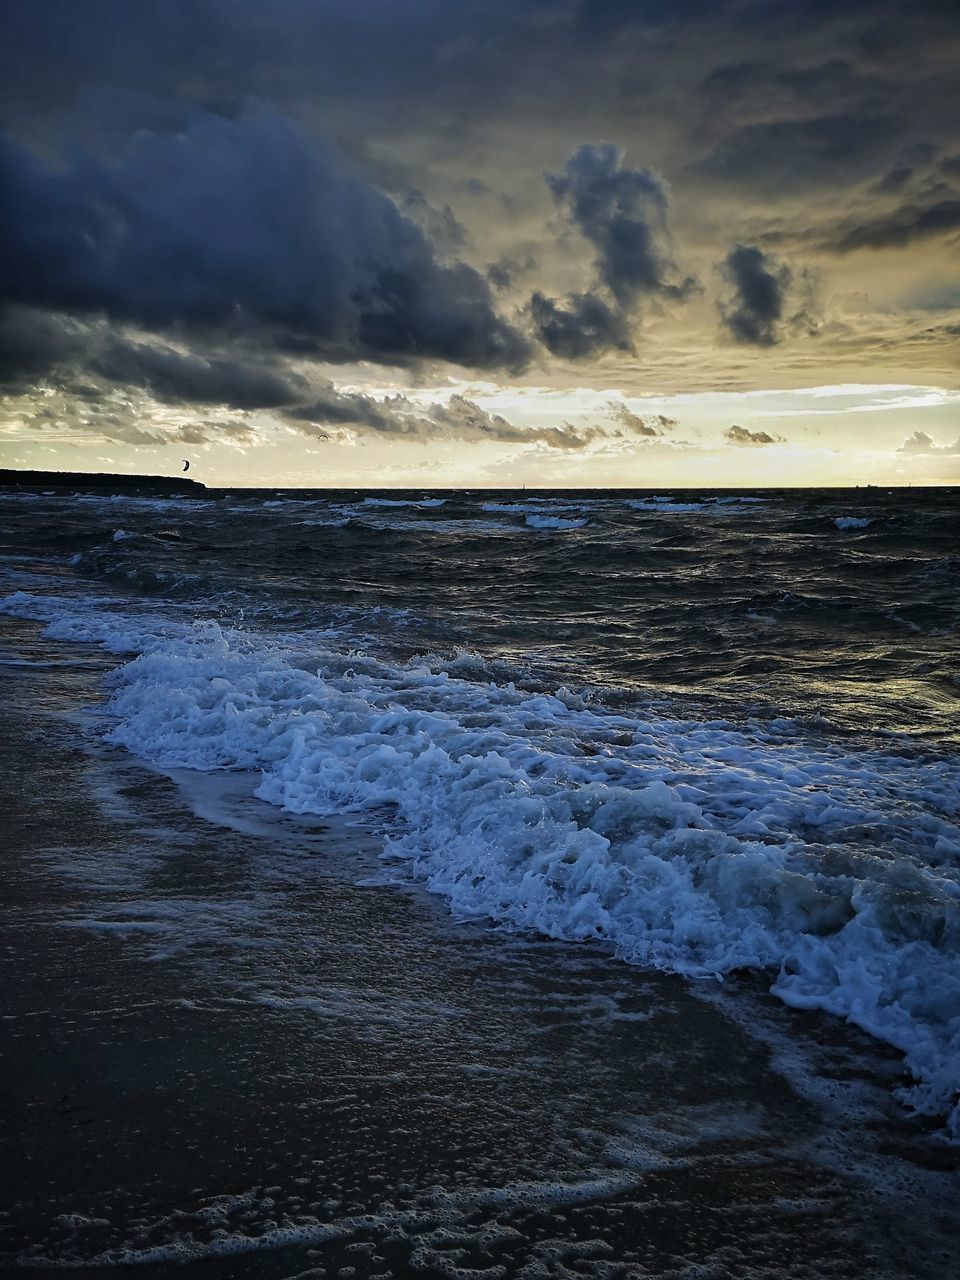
752	603
712	731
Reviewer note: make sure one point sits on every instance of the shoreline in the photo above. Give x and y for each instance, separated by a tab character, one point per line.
229	1044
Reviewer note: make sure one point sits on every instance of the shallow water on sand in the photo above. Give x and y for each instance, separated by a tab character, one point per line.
231	1038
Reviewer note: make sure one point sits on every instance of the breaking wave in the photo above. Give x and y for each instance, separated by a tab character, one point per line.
698	847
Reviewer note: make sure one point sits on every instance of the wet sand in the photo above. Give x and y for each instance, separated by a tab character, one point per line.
227	1043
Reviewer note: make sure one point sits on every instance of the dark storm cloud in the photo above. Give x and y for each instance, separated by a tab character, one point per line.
331	407
623	213
740	435
760	285
173	376
910	164
422	47
899	227
140	185
32	343
445	233
244	222
784	91
581	326
789	153
59	351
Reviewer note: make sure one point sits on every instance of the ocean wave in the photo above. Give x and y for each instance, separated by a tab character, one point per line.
140	576
697	847
404	502
853	522
138	502
554	522
534	507
382	522
666	505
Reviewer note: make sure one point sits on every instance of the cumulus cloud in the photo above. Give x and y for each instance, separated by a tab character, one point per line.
920	442
581	326
211	221
462	419
651	425
760	283
741	436
623	213
456	419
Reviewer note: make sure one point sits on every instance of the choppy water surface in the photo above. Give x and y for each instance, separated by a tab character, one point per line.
712	731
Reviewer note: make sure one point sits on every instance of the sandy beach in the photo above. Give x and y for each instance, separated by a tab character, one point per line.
226	1044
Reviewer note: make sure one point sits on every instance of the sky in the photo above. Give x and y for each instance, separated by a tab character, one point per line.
445	243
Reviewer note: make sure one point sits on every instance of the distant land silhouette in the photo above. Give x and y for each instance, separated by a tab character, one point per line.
82	480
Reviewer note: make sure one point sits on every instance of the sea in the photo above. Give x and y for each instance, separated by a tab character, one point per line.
708	738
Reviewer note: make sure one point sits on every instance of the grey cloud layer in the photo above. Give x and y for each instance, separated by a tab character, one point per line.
143	191
61	351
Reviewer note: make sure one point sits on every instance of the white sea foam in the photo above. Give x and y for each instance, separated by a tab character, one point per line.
404	502
139	502
853	522
553	522
666	505
533	507
448	1213
401	523
696	847
726	505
